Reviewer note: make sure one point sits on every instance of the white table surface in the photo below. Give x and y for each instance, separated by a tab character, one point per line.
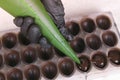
80	7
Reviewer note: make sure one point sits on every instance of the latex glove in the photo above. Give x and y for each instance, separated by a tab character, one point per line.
30	30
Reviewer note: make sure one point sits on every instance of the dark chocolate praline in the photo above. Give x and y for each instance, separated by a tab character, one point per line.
49	70
88	25
109	38
32	72
9	40
93	41
103	22
114	56
73	28
45	53
22	39
99	59
29	55
12	58
85	64
66	66
78	45
14	74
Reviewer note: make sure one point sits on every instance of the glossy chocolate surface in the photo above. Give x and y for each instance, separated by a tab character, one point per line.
114	56
29	55
109	38
49	70
32	72
85	64
103	22
93	41
73	28
78	45
15	74
12	58
99	59
88	25
66	66
22	39
9	40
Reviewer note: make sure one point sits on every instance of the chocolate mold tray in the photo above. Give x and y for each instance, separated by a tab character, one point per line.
95	41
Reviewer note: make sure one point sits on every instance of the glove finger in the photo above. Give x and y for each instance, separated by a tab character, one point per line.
44	43
66	34
26	24
56	10
34	33
18	21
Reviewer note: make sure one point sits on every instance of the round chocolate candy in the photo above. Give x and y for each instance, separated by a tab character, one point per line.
85	64
73	28
22	39
103	22
66	66
49	70
78	45
59	53
12	58
45	53
99	59
9	40
29	55
32	72
93	41
15	74
2	76
114	56
88	25
109	38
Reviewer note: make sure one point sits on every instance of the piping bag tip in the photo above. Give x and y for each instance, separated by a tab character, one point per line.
37	10
77	61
